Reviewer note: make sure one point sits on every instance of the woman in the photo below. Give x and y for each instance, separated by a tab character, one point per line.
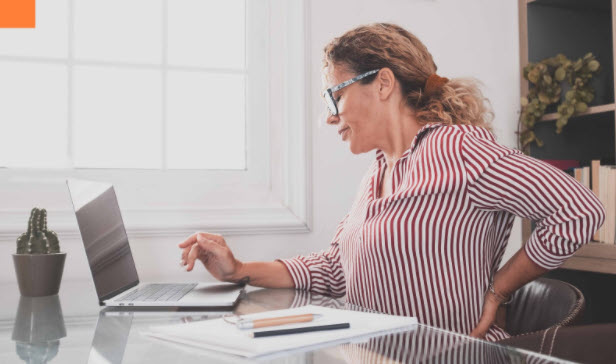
428	229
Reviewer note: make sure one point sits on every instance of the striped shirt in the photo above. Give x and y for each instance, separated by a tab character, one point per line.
430	248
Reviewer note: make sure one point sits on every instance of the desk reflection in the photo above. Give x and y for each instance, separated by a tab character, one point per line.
426	345
38	328
421	345
110	337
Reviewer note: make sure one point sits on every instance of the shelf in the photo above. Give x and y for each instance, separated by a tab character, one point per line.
591	110
597	250
593	257
585	138
574	28
555	28
596	5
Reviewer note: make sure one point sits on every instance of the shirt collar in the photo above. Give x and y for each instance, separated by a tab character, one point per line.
380	156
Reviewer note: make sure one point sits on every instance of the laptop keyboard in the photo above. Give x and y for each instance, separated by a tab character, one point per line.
159	292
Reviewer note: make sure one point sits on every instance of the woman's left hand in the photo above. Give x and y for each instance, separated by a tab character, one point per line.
488	316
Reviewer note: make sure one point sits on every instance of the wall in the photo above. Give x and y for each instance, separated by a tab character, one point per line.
477	38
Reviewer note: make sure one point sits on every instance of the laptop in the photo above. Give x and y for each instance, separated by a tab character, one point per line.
111	261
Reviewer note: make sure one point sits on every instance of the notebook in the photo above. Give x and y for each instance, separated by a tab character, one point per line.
221	336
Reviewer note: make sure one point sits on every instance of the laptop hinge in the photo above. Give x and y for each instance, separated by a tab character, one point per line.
116	292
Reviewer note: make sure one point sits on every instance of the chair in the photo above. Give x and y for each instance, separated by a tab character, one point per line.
584	344
541	304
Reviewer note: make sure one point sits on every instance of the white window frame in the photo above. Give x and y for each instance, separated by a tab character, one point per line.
271	196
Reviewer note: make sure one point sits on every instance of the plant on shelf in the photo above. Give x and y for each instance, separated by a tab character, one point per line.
547	79
37	239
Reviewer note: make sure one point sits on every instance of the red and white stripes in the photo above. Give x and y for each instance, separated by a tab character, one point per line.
429	249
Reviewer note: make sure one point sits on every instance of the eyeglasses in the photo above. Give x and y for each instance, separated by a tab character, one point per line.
329	93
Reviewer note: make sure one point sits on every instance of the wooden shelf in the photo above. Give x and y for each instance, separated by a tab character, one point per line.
591	110
593	257
594	5
597	250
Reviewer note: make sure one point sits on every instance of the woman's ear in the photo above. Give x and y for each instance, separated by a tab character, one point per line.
386	82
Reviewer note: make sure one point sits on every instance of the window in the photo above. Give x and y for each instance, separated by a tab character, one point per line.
165	84
185	105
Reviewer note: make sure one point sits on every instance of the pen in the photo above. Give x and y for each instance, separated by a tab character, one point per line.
298	330
273	321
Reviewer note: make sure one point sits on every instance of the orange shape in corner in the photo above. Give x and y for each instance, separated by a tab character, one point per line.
17	13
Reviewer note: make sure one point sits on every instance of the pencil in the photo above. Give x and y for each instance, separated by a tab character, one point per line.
299	330
273	321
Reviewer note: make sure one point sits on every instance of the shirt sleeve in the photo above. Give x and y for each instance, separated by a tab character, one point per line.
566	213
320	272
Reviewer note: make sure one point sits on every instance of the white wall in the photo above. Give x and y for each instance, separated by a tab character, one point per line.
477	38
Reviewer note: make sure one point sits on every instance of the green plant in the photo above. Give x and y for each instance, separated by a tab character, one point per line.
547	79
37	239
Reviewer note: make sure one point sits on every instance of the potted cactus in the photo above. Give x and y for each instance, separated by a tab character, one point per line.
38	263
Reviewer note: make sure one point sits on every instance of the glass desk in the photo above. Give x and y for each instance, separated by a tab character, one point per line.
72	328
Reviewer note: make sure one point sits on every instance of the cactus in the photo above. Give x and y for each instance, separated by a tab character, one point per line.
37	239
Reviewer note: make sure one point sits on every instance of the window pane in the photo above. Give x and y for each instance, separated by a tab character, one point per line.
48	39
117	118
118	30
33	115
206	33
205	121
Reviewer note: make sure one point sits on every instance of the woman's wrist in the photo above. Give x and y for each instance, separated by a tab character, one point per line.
503	299
239	275
262	274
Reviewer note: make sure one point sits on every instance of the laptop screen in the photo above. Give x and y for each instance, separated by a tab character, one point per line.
104	236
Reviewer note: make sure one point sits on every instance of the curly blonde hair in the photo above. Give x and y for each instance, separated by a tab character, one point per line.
379	45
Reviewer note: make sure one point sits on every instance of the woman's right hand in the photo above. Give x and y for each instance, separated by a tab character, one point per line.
213	252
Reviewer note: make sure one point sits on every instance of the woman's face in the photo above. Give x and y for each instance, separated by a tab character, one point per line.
358	110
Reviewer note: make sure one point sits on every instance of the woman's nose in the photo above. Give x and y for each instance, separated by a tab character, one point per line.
332	119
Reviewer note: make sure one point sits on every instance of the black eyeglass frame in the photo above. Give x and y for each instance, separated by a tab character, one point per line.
329	93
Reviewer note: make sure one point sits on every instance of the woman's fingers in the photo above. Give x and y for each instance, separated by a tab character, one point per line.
481	329
218	239
210	246
185	252
186	247
189	241
192	256
488	316
193	239
203	247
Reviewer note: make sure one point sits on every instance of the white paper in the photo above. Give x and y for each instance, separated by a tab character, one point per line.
219	335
